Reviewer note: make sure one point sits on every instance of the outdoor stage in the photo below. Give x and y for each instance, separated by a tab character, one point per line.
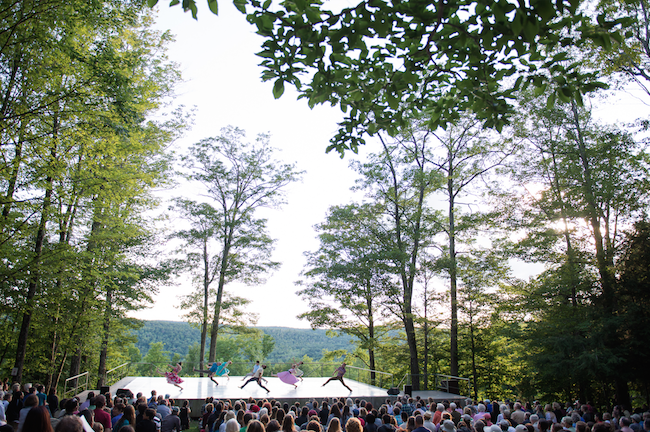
201	388
196	390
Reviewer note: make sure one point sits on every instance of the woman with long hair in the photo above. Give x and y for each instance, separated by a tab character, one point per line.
128	418
280	415
255	426
335	425
288	424
38	420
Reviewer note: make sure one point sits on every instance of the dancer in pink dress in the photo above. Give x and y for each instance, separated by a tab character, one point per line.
289	376
172	376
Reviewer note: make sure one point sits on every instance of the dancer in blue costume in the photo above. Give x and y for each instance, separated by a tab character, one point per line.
216	368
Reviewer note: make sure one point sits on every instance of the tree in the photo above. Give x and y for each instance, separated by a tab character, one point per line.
78	80
464	154
594	183
346	279
400	180
204	226
634	293
240	178
629	56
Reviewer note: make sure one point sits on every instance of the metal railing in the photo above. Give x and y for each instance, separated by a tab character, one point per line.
451	384
123	371
384	380
75	386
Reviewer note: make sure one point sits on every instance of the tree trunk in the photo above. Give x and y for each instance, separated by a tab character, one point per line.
206	298
371	335
407	275
453	349
473	348
101	373
75	367
34	280
223	267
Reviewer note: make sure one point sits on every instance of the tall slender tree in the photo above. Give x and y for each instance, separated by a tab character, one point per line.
239	178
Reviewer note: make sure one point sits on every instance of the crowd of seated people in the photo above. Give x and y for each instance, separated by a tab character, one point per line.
29	409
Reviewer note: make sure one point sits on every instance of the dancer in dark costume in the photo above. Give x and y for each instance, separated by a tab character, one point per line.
340	371
257	376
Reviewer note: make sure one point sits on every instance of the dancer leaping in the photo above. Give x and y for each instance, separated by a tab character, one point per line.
255	368
172	376
216	368
340	371
289	376
257	376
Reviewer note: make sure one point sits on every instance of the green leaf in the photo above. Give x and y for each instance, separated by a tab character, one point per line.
152	3
278	88
240	5
214	7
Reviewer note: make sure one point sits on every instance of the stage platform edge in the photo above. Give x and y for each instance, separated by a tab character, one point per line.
196	390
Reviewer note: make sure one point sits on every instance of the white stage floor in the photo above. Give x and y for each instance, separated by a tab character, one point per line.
201	388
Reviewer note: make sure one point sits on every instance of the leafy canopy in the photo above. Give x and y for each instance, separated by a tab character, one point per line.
386	61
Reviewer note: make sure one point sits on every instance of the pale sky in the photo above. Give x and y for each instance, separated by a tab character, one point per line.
217	59
218	63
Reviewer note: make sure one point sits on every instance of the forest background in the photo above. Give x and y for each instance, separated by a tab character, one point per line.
482	153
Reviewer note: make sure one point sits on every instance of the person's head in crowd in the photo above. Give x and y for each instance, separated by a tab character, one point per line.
335	425
98	427
99	401
353	425
448	426
89	415
38	419
149	413
410	424
232	426
69	423
273	426
127	428
129	414
288	424
314	425
534	418
544	425
479	426
265	419
246	419
31	401
255	426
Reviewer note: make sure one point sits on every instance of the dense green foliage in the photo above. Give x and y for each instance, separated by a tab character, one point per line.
79	158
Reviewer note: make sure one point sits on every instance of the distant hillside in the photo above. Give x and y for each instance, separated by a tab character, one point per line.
290	343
